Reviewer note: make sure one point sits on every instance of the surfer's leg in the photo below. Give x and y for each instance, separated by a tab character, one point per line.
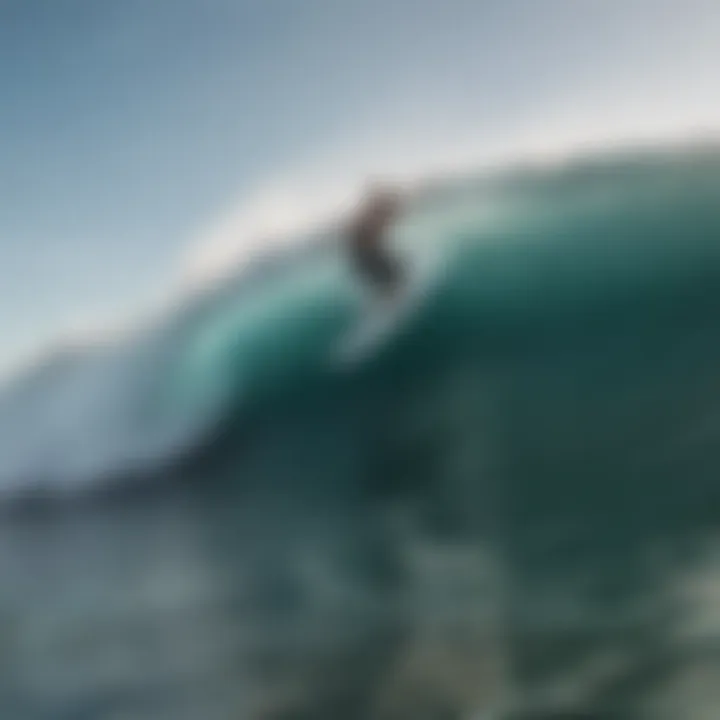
391	275
384	273
380	271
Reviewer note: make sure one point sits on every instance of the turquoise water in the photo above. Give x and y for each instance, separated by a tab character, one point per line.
510	506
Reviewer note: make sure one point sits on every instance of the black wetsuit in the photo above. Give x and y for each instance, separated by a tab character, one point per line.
371	261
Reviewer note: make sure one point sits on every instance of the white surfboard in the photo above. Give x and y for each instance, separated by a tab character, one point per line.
382	317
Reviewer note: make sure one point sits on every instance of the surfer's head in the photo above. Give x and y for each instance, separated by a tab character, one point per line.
382	202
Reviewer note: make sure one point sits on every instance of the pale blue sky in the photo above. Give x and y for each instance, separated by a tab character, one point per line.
127	126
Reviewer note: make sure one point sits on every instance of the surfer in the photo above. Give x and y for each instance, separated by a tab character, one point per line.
400	287
367	241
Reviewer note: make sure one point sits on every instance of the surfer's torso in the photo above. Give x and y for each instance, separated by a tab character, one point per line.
367	245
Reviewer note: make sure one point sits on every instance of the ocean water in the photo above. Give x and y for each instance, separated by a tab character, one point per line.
508	509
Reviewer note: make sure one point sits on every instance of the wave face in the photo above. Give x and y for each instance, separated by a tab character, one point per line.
615	252
499	502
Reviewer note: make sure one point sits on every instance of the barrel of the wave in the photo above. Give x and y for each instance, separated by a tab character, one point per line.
260	340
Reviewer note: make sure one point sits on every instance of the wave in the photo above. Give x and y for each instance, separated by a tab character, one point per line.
622	245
